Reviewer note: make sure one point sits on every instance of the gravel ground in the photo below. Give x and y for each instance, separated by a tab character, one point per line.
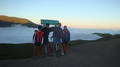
96	54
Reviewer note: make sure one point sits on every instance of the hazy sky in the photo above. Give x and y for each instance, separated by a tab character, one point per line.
74	13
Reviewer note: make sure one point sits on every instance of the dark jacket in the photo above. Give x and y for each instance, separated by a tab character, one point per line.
46	32
45	36
66	35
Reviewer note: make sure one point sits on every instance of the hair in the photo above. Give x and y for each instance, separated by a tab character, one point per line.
35	30
65	26
47	24
59	24
39	27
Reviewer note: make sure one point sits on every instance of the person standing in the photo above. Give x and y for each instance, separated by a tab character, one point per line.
57	39
66	39
46	40
38	37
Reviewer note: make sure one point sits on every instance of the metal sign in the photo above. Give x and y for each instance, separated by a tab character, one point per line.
51	22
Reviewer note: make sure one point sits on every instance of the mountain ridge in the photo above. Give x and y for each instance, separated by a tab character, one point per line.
8	21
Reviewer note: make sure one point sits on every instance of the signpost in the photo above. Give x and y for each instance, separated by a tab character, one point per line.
51	22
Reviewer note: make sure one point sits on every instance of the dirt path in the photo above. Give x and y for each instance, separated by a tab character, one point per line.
97	54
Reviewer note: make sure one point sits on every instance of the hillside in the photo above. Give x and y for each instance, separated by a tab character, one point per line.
6	21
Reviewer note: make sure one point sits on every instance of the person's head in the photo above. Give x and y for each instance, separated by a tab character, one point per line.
47	25
59	25
35	31
56	25
39	27
65	27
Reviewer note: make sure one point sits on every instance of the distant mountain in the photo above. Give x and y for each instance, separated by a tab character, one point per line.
6	21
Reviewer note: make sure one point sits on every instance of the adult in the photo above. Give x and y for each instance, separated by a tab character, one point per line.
38	37
46	40
57	39
66	38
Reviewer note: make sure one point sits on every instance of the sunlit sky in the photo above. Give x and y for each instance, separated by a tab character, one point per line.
103	14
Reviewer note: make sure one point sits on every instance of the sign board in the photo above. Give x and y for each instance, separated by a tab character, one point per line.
51	22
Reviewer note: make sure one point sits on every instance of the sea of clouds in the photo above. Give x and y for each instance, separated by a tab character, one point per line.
22	34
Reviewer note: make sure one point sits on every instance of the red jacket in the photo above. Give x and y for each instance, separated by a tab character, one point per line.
38	36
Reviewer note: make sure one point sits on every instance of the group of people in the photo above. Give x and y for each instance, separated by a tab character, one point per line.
59	44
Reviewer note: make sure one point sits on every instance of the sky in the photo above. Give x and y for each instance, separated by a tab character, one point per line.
99	14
